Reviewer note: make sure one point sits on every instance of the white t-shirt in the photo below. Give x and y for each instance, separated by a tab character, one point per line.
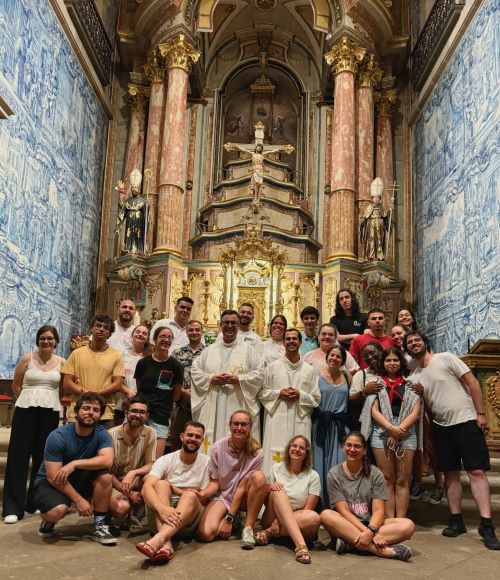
297	487
360	379
121	339
171	467
446	396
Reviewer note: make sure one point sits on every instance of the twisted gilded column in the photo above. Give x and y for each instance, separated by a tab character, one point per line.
369	75
344	59
137	96
154	69
179	55
385	101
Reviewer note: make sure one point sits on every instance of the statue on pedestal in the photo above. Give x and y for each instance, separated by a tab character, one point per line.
258	155
134	212
375	226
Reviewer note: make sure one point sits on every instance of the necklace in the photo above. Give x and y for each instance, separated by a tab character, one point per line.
41	361
349	474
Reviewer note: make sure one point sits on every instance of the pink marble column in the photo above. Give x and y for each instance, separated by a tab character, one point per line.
384	161
155	72
135	143
178	54
344	58
369	74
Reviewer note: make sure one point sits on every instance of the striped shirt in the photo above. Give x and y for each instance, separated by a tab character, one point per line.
131	455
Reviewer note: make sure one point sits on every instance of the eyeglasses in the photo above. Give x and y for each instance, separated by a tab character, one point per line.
46	339
239	424
90	409
137	412
353	446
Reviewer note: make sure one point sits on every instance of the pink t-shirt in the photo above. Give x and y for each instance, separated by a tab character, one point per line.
230	468
359	342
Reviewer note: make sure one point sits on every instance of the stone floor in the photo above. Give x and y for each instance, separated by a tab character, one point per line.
73	554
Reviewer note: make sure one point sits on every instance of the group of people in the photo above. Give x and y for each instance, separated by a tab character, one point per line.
281	430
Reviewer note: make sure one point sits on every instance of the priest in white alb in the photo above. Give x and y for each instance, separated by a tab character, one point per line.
226	377
289	395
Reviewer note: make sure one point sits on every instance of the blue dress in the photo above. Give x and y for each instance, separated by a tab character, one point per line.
328	430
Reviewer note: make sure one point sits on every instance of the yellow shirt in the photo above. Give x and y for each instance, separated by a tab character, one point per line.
94	371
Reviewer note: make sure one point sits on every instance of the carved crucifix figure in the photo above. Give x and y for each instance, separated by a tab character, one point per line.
258	155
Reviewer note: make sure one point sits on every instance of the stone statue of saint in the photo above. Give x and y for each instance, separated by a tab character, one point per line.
374	226
134	212
258	155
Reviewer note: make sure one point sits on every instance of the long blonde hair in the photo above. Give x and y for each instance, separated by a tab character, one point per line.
251	444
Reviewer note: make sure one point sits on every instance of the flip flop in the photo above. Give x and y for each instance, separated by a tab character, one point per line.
163	555
147	550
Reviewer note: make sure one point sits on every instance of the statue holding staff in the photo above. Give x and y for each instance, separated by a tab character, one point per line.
375	226
133	211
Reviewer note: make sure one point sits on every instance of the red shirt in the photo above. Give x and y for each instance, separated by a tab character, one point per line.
359	342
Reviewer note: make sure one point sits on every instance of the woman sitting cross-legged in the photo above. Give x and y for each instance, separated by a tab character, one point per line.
295	490
357	495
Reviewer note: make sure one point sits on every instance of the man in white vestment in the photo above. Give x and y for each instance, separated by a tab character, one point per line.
245	332
226	377
289	394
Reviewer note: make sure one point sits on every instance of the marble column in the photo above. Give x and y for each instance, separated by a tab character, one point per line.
179	55
369	75
154	70
344	59
385	101
135	143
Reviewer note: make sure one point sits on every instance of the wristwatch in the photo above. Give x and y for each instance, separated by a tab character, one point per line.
372	529
229	518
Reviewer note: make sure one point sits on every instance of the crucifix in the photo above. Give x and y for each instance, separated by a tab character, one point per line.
258	155
206	444
277	457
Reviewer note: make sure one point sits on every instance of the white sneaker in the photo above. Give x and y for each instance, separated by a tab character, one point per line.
10	519
247	539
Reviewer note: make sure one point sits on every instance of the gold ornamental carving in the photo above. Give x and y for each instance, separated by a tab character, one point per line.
154	69
345	56
178	52
153	284
369	72
137	97
493	393
385	102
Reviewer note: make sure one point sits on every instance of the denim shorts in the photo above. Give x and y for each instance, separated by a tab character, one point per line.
162	431
379	436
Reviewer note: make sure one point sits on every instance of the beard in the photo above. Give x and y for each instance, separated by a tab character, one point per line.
86	423
192	448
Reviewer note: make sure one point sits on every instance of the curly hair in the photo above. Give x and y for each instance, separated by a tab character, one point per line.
339	311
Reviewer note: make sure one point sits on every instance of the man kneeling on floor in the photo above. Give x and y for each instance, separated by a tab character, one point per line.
171	491
75	470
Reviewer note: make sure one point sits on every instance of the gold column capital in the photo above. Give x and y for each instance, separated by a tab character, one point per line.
345	56
178	52
137	96
369	72
385	102
154	68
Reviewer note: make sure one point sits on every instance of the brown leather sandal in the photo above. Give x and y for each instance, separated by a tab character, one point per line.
302	554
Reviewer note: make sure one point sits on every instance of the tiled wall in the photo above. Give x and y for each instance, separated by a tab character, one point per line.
456	167
51	168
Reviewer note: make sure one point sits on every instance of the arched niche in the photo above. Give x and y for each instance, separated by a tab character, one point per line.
239	108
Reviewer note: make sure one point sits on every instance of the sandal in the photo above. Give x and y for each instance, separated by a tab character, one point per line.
302	554
163	555
273	531
147	550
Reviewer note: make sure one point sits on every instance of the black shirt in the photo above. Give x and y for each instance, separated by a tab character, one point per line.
157	382
349	325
